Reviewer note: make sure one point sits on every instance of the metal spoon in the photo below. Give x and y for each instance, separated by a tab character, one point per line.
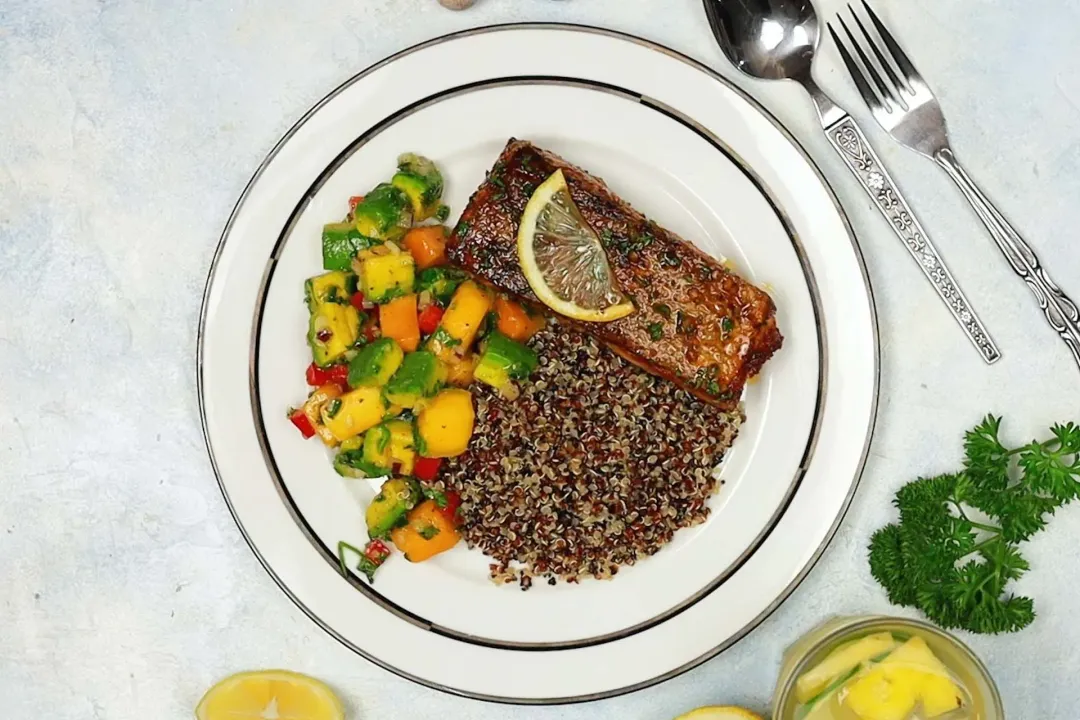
776	40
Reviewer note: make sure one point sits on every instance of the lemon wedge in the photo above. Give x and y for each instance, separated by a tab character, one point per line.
564	260
717	712
270	694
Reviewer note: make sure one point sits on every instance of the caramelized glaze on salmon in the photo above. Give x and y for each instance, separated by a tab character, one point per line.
697	323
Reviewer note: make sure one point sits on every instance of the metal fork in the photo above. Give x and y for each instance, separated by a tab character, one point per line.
903	104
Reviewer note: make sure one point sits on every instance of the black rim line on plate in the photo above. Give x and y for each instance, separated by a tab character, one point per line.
743	95
327	552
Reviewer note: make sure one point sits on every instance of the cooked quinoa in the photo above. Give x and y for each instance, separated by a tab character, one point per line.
595	466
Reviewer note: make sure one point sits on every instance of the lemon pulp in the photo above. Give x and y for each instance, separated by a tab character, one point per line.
563	259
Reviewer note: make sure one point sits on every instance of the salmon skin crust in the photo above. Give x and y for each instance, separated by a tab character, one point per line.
696	323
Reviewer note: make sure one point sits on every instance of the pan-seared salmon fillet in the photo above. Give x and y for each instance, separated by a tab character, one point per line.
696	323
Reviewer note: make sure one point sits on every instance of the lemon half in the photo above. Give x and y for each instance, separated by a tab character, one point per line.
717	712
564	260
270	694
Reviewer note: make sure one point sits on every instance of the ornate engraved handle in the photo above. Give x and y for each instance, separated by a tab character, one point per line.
1060	311
850	142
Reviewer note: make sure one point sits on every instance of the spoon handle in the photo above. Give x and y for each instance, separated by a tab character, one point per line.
852	146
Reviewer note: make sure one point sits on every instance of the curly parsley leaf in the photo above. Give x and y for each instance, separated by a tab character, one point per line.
954	552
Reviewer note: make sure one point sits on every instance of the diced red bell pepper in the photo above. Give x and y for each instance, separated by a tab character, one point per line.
429	318
357	300
453	502
374	555
336	374
354	201
376	551
300	420
426	469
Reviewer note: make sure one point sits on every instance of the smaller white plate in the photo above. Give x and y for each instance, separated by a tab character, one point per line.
698	191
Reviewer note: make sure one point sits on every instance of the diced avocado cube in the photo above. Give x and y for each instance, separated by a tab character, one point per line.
421	375
384	213
347	457
402	450
335	287
503	360
441	282
340	244
332	331
376	363
422	182
385	277
377	449
387	511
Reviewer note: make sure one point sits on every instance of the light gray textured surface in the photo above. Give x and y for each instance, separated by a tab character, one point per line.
128	131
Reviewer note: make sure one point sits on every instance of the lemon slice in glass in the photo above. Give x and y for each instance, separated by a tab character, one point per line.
716	712
563	259
270	694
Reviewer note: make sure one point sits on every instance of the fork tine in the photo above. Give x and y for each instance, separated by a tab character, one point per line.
906	67
897	83
871	71
865	90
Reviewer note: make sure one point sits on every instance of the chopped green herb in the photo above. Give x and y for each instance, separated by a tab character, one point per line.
461	229
489	323
443	213
670	259
726	325
342	547
428	531
656	330
418	441
626	246
444	338
333	408
662	310
437	496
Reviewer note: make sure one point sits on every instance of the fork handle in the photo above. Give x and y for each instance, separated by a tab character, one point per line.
851	144
1060	311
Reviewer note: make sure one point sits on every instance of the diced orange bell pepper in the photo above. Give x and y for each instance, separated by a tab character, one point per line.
514	321
427	533
397	319
427	244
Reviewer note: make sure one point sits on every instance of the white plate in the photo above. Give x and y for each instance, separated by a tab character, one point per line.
688	150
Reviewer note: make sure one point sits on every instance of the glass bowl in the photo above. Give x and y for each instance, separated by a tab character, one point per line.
815	645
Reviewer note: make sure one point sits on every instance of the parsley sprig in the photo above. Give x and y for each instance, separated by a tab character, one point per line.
955	549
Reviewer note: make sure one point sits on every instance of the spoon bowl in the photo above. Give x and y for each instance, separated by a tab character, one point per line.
766	39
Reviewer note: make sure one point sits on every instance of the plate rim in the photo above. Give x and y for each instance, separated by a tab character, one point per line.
757	106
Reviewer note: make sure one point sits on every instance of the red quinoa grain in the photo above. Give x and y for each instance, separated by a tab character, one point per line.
595	466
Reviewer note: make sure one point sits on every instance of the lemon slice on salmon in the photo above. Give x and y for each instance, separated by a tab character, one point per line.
716	712
270	694
564	260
